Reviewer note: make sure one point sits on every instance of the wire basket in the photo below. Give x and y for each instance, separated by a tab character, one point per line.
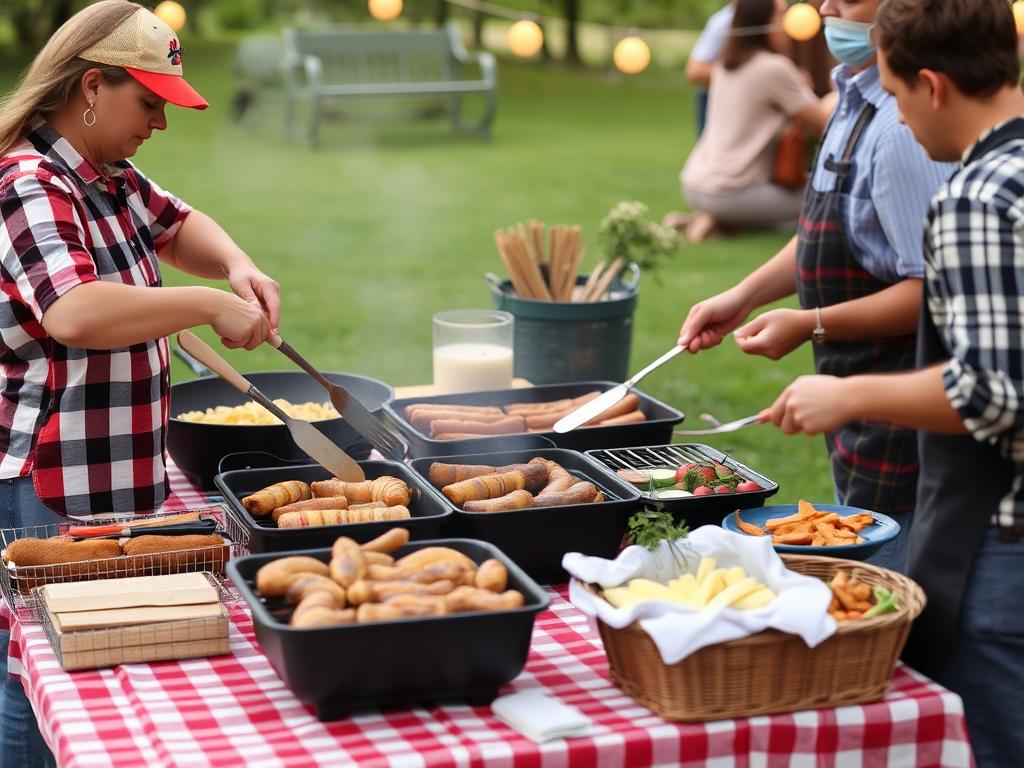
106	647
771	671
17	583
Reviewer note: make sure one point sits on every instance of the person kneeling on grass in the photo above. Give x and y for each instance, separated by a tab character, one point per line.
954	71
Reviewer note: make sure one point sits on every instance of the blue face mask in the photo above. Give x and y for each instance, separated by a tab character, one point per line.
849	41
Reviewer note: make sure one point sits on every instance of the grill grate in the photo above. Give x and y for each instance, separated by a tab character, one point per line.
671	456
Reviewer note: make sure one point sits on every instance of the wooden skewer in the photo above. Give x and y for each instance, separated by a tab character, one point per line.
518	284
595	275
606	279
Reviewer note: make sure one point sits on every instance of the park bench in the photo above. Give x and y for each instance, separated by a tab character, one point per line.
327	66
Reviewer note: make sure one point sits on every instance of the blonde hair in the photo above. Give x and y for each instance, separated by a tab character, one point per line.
47	85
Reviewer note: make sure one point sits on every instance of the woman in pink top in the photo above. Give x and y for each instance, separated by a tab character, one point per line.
755	92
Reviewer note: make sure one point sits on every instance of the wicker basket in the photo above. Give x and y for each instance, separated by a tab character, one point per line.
771	671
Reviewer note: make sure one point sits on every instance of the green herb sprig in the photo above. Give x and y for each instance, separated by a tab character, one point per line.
649	527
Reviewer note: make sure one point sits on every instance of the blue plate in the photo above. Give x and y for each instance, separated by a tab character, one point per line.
883	530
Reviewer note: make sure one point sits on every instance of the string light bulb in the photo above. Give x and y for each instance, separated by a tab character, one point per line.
801	21
631	55
525	38
171	14
385	10
1018	16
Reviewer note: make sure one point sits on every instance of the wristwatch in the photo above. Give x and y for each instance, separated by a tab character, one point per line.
818	334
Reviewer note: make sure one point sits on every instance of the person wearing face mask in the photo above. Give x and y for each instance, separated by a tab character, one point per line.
856	266
953	69
84	358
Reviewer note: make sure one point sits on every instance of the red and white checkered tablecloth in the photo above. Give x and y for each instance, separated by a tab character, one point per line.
234	710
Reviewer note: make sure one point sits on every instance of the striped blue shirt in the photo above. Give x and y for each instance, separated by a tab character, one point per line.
893	180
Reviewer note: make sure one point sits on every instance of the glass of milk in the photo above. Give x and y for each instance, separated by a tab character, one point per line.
472	350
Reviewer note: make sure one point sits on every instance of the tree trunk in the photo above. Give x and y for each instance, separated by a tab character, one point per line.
62	11
571	11
442	13
545	51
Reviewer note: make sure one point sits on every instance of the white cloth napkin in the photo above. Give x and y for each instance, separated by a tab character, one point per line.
801	607
540	717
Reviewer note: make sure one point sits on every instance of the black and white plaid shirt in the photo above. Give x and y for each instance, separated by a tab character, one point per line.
974	271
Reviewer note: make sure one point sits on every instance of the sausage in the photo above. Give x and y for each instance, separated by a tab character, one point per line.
274	578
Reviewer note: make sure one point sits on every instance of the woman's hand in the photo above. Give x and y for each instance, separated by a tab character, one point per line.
812	404
238	322
709	321
256	288
776	333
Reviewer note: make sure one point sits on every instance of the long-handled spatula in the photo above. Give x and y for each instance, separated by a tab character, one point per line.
599	405
311	440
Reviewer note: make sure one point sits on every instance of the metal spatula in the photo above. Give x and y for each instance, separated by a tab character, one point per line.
352	411
599	405
311	440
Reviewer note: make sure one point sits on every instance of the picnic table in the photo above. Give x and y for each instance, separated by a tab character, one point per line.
234	710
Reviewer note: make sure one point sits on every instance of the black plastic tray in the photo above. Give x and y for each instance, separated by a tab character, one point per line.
427	510
657	429
696	510
538	537
462	656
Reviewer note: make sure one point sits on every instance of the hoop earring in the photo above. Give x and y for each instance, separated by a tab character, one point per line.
85	117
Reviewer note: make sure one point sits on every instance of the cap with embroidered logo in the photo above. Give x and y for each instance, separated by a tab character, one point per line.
147	49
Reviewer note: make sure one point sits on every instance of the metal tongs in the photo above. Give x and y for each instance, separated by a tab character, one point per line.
125	530
729	426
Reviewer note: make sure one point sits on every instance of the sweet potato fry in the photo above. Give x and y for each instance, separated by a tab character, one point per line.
778	522
748	528
857	522
793	538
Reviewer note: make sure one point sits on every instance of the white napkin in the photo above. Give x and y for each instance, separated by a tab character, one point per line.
540	717
801	607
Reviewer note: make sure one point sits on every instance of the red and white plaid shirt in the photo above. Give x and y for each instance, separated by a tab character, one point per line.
87	424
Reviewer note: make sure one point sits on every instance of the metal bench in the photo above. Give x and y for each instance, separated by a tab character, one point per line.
323	66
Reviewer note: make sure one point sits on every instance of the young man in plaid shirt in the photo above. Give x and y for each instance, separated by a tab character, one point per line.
953	68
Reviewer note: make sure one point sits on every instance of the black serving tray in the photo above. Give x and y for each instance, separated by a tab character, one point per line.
661	418
696	510
338	670
427	509
538	537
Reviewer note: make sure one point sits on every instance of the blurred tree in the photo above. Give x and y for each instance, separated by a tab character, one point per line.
35	20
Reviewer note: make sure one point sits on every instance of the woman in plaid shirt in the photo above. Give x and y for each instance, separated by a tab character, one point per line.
84	364
954	71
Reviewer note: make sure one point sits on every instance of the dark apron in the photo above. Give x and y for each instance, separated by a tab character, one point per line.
959	490
874	465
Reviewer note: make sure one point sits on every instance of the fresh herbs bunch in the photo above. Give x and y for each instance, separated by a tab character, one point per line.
626	232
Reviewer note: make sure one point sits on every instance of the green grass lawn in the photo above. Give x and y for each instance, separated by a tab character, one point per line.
392	220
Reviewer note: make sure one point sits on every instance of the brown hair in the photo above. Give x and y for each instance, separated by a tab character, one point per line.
57	69
756	15
974	42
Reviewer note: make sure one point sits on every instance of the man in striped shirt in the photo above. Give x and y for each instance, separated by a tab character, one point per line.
953	69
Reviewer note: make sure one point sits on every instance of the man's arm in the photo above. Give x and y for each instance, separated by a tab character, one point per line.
814	404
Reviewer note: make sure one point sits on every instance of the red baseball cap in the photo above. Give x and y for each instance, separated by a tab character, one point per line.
149	51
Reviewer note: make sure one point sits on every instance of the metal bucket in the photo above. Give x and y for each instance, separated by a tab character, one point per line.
559	341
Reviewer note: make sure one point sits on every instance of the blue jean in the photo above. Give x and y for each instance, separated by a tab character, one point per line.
987	666
21	743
